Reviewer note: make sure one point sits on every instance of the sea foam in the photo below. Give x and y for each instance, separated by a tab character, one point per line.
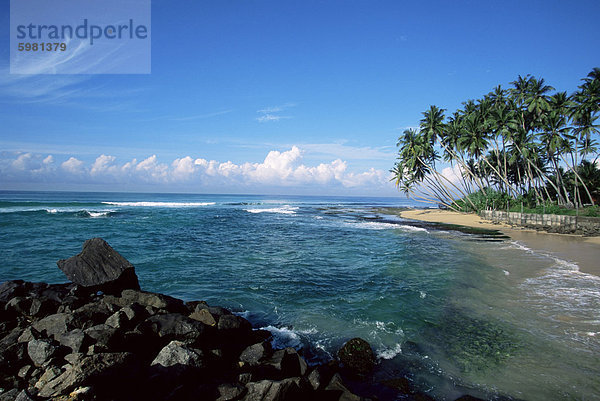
282	210
160	204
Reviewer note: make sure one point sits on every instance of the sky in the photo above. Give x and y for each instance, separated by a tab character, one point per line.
278	97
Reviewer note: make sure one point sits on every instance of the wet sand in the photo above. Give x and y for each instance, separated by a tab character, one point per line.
584	251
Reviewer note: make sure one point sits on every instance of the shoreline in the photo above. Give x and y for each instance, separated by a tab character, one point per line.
583	251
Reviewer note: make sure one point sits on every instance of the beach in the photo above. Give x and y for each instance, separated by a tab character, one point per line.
583	251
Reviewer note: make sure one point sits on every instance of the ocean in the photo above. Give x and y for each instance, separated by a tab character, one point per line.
454	312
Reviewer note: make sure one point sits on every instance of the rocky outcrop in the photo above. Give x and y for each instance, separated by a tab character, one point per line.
133	346
100	267
357	356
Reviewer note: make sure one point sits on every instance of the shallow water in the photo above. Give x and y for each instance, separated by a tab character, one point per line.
453	312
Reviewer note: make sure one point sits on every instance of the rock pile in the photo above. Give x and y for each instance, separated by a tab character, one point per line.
102	338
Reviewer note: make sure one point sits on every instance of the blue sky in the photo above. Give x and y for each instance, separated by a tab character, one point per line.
286	97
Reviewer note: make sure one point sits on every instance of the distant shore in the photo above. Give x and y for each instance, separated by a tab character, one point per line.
584	251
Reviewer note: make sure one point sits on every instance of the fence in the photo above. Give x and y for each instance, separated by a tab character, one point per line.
548	222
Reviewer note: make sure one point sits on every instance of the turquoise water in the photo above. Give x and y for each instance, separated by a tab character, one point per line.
453	312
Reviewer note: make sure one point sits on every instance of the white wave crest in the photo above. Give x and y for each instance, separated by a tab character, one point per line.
100	214
283	337
52	211
160	204
378	225
283	210
389	353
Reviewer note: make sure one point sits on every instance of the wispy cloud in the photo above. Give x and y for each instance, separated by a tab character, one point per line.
269	114
201	116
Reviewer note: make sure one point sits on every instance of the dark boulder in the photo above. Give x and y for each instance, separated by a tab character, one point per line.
75	339
173	326
357	356
231	392
283	363
102	335
337	387
100	268
269	390
229	323
107	371
56	324
41	351
157	301
255	353
177	353
11	289
204	316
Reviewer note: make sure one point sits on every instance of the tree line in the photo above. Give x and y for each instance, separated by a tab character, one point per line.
528	143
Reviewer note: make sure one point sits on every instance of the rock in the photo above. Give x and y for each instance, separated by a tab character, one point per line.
92	313
41	351
336	385
74	339
106	371
25	371
233	322
135	312
357	356
319	377
24	395
245	378
42	307
11	289
231	392
117	320
50	374
74	358
13	355
217	311
204	316
284	363
253	354
158	301
100	268
173	326
19	305
177	353
28	334
269	390
55	325
102	335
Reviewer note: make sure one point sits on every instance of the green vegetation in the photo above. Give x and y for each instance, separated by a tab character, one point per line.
517	148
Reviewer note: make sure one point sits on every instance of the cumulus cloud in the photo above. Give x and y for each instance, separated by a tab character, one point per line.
279	168
453	174
73	166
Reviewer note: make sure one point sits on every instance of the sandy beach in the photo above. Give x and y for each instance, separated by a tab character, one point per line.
584	251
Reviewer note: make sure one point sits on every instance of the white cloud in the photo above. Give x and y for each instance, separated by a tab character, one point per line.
278	169
454	174
103	165
73	166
